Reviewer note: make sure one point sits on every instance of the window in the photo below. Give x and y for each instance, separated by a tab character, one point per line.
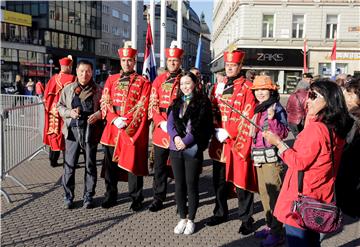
61	40
331	26
268	26
105	9
115	13
47	38
105	28
54	39
125	17
114	48
298	26
116	31
104	46
126	32
74	43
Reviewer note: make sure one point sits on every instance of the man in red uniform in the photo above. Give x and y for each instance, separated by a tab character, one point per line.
163	92
39	89
230	147
124	105
53	136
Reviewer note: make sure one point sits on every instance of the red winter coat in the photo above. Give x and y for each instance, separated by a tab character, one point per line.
296	106
310	153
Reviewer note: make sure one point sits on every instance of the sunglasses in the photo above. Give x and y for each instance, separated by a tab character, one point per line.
314	95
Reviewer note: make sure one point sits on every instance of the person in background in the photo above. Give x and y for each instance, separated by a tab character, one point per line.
53	136
190	127
269	114
296	105
124	105
348	178
230	147
79	106
250	75
39	89
29	90
311	154
341	80
163	92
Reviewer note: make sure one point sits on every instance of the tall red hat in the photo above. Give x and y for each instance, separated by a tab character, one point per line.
173	51
66	61
127	51
234	56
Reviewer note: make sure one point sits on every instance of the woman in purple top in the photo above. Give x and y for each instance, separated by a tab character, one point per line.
269	115
190	126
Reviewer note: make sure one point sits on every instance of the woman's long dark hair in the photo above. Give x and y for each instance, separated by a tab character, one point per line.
335	114
198	111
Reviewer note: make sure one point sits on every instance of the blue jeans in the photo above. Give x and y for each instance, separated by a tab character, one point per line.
297	237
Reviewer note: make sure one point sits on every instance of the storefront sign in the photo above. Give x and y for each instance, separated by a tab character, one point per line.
16	18
273	57
354	29
345	56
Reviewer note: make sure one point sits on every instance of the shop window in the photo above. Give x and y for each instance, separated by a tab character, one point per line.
47	38
325	69
298	26
331	26
268	26
54	39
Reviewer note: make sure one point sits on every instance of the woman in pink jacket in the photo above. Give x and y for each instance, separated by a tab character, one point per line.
311	154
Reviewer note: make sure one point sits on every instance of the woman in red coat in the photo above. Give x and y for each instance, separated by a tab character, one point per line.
311	154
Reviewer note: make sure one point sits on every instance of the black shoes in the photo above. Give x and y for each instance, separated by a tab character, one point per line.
109	202
215	220
88	203
247	227
156	205
68	204
136	206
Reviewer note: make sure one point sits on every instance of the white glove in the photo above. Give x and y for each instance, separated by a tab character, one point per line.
120	122
221	134
163	126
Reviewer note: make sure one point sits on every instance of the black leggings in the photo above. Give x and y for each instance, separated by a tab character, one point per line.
187	172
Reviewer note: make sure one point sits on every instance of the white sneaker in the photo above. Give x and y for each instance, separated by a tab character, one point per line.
190	227
180	227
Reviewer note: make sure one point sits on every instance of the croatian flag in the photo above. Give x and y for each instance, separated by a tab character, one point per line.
198	55
149	67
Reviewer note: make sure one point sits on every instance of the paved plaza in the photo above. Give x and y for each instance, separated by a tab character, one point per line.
36	216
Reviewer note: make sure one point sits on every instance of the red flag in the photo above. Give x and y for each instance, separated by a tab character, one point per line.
333	51
305	61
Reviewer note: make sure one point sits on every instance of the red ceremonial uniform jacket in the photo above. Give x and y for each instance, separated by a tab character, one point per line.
311	154
163	92
235	151
127	96
53	122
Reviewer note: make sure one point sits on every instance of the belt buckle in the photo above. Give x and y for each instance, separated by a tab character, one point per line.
224	118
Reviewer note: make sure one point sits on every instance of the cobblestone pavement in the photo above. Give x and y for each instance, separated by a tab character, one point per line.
36	216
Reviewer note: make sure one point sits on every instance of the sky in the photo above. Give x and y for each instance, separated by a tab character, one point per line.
205	6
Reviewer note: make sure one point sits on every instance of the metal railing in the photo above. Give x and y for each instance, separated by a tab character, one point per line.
21	133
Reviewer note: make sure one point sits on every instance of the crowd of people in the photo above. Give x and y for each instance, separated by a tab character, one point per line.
241	122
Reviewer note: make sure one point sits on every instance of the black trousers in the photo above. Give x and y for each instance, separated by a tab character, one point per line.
187	172
72	147
111	175
54	156
245	198
161	156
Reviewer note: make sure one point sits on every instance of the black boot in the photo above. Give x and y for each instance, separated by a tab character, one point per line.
110	200
156	205
247	227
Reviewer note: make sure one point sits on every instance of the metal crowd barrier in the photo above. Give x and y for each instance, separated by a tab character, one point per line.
21	133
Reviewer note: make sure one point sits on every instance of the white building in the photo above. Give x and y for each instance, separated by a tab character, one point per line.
272	34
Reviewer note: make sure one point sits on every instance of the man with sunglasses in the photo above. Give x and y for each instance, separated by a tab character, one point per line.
296	107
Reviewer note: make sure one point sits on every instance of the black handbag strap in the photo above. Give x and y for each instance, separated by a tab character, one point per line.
301	173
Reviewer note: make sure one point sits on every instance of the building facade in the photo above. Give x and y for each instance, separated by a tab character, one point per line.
193	26
115	29
273	32
58	28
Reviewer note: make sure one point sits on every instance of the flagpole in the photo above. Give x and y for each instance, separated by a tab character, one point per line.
305	56
162	33
152	19
179	23
333	57
198	54
134	24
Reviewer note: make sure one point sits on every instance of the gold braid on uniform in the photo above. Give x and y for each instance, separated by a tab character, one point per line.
154	103
106	103
139	111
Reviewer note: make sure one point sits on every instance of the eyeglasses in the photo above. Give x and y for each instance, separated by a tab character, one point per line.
314	95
